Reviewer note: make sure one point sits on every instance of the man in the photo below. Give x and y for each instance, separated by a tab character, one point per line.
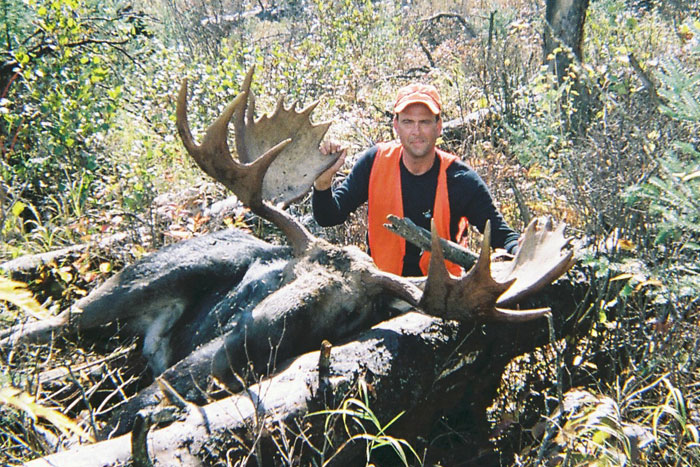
410	178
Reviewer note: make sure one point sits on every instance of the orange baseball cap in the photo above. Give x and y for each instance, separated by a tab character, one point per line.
418	93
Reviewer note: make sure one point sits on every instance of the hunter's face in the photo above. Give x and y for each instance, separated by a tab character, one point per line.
418	129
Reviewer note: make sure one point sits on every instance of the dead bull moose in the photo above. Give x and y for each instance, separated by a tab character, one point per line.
226	307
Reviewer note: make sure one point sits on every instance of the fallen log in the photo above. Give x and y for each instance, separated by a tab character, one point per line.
30	263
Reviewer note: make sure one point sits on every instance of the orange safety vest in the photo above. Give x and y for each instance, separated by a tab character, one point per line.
387	248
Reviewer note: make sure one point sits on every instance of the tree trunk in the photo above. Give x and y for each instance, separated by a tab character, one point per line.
563	41
564	20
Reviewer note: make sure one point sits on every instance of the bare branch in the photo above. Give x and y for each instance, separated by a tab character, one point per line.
645	79
427	53
421	238
455	16
520	201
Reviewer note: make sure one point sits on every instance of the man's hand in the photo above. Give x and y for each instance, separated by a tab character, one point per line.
324	181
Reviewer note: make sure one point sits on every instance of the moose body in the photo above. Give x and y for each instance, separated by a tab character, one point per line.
242	330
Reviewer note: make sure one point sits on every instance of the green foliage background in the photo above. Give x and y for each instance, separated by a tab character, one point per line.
89	152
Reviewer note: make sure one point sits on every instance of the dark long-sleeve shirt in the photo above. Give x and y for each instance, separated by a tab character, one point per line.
468	196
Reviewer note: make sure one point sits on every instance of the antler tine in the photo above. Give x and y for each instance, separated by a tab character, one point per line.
246	115
306	111
182	123
483	264
529	239
544	255
280	103
183	126
519	316
438	283
473	296
213	155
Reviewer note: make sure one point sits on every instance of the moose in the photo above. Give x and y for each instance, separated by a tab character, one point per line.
230	324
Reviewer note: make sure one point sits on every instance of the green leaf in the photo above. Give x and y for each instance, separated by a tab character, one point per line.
22	58
17	208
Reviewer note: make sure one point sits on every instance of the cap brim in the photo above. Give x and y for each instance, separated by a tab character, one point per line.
427	102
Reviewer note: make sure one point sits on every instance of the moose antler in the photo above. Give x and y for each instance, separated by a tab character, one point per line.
292	173
278	156
477	295
544	255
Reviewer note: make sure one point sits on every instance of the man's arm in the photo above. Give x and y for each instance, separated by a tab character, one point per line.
474	201
332	206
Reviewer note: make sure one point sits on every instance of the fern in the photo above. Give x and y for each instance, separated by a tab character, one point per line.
671	196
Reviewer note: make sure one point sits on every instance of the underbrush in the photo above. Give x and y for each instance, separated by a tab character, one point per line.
627	186
628	180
